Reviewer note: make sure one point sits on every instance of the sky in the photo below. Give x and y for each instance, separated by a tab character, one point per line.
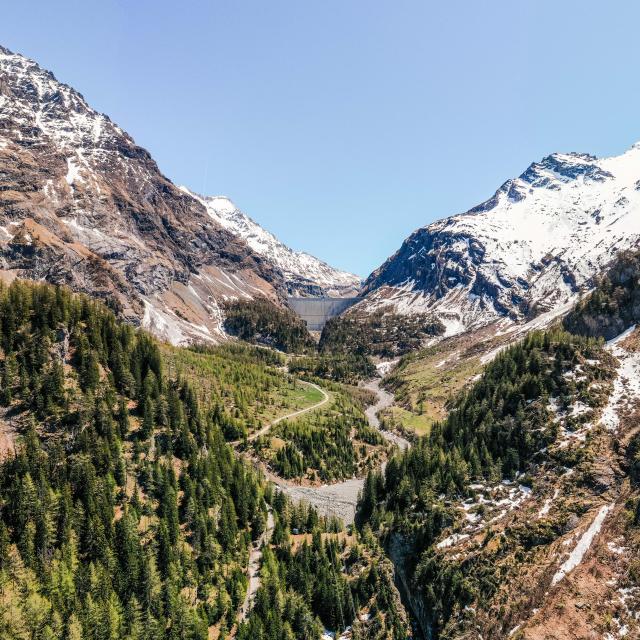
343	125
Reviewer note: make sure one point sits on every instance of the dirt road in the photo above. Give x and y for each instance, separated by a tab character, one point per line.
255	560
293	414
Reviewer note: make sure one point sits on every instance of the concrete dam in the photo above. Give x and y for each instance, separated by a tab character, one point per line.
316	311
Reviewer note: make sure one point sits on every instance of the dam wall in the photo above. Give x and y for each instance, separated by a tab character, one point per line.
316	311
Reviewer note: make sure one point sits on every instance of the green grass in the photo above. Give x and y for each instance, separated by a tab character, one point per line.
248	387
420	424
305	396
426	381
293	399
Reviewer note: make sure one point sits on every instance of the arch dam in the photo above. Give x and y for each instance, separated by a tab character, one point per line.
316	311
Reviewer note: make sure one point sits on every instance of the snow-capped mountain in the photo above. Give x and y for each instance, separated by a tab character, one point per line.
304	274
81	204
532	247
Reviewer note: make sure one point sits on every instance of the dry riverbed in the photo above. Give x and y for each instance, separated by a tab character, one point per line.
340	499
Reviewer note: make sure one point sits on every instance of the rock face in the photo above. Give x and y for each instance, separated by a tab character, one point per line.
532	247
304	274
81	204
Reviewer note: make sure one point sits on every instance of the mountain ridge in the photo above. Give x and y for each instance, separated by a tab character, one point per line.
305	274
536	244
84	205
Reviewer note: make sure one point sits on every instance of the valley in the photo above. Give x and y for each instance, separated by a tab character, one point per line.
206	434
340	499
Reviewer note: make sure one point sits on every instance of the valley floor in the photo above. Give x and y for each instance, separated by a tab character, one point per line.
338	499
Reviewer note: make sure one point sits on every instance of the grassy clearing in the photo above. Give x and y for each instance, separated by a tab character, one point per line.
414	423
250	383
426	381
304	396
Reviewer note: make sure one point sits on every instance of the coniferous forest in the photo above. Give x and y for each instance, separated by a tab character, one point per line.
327	445
262	322
381	333
124	514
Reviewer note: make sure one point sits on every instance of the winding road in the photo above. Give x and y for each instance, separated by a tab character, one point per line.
294	414
339	499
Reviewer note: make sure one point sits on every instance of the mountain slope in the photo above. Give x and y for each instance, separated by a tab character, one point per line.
483	550
124	513
304	274
532	247
81	204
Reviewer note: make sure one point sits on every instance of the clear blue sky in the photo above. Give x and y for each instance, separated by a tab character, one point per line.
342	125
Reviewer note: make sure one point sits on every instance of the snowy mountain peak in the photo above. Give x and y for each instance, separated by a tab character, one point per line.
304	274
533	246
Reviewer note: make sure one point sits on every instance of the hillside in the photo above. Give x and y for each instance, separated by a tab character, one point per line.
124	514
516	515
304	274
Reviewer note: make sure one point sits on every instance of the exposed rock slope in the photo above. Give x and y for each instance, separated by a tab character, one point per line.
82	204
304	274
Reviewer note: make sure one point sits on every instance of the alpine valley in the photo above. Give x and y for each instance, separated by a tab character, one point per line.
455	455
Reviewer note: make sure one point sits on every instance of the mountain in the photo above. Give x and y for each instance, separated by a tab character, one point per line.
535	245
304	274
81	204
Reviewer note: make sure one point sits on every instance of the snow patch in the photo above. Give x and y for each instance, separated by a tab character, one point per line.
383	368
73	173
452	540
626	386
576	556
547	504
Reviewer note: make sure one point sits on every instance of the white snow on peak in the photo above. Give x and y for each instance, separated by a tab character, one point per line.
300	269
56	110
537	242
